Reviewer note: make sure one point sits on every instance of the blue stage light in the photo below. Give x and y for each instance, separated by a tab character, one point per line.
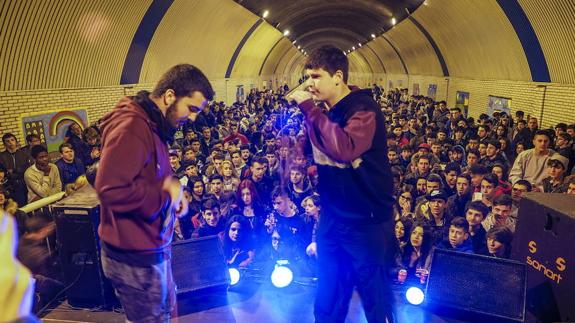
281	276
234	276
414	295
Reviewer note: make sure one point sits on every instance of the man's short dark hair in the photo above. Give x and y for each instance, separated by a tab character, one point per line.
524	183
36	150
32	136
278	191
478	206
562	126
434	178
216	177
329	58
478	170
519	113
503	200
465	176
494	142
184	79
543	132
65	145
209	204
7	135
260	160
453	166
460	222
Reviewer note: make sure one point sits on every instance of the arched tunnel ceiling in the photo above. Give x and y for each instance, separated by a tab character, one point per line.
350	21
85	44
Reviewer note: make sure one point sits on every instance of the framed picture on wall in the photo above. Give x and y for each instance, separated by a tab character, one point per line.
53	126
498	104
415	90
432	91
462	102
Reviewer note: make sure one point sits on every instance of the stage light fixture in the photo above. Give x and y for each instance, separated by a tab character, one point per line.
282	276
265	14
373	36
234	276
393	21
286	32
414	295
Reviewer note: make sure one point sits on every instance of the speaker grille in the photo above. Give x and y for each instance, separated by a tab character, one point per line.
199	264
478	284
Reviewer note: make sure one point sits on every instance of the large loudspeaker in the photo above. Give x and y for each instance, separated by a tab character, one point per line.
544	239
477	285
199	264
77	218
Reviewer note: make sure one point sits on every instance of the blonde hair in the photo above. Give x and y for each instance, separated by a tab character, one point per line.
232	167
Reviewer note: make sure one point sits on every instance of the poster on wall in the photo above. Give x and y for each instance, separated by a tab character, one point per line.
240	93
415	89
51	126
462	102
498	104
431	91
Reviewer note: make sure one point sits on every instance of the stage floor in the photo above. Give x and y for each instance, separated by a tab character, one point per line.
250	302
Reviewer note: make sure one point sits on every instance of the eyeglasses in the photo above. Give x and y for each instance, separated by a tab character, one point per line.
405	197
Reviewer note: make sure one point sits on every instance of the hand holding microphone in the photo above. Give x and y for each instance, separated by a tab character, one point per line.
299	96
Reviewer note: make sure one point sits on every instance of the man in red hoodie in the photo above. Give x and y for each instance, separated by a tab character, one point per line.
139	196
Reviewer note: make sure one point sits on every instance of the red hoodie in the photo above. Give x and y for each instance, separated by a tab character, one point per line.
129	181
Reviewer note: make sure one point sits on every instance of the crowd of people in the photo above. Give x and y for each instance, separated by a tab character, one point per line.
248	172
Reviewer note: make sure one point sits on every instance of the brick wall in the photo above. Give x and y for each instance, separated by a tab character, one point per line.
97	101
555	106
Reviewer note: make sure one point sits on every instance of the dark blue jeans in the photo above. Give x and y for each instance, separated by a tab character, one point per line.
147	294
354	256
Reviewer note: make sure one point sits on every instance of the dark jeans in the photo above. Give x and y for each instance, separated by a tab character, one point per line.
147	294
352	255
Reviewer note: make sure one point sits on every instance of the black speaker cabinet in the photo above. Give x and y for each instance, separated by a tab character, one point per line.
199	264
544	240
477	285
77	218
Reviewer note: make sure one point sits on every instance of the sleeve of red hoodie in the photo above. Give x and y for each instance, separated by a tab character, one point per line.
341	144
118	182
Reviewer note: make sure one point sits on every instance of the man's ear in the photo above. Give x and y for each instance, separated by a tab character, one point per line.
338	76
169	97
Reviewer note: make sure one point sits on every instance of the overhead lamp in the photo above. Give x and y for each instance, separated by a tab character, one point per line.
352	47
359	44
393	21
298	46
265	14
286	32
373	36
293	42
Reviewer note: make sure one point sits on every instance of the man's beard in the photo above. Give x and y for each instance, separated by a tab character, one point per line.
173	121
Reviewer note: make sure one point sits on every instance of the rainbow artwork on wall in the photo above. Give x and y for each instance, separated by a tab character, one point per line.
52	126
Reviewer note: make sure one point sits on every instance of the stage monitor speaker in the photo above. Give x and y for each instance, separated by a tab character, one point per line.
477	285
199	264
543	240
77	218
